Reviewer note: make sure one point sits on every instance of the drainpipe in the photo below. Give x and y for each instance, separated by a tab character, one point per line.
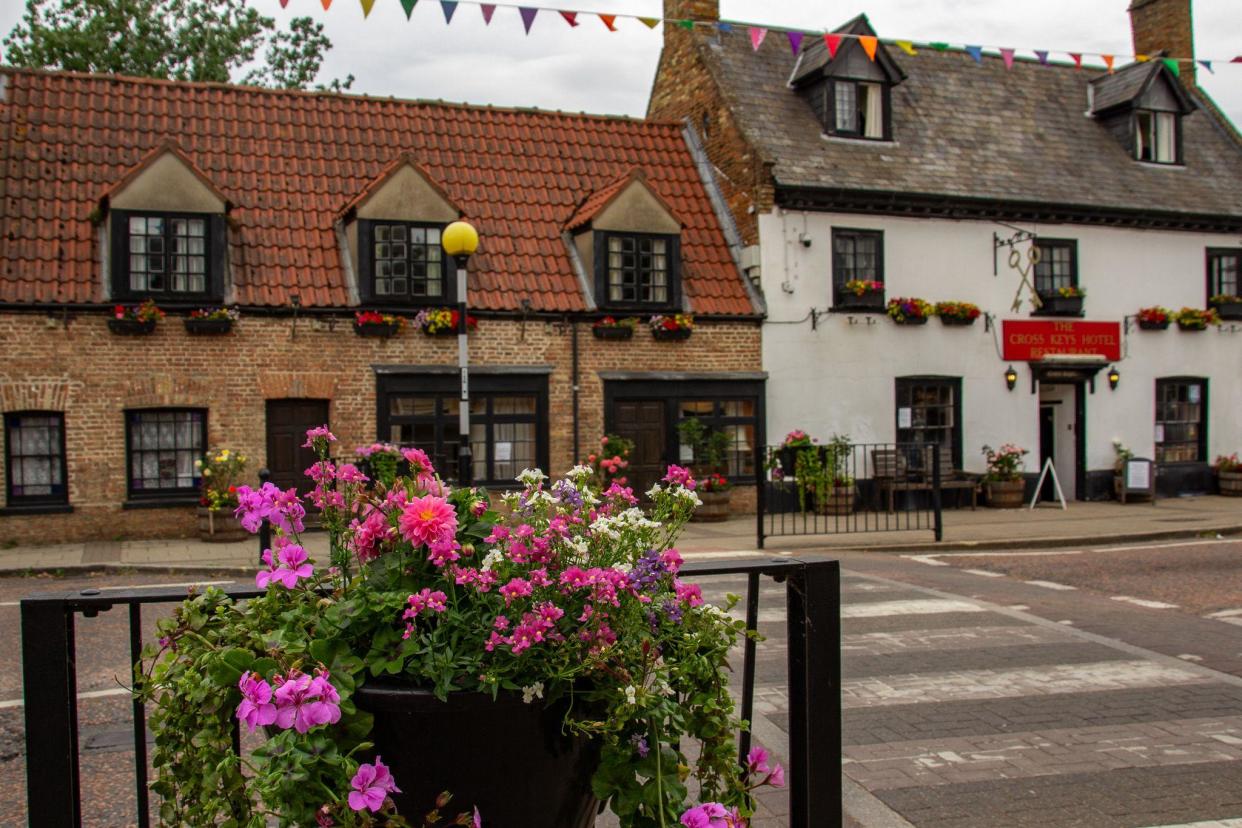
574	336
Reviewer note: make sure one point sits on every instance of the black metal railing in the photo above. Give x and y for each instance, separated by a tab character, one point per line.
845	488
812	600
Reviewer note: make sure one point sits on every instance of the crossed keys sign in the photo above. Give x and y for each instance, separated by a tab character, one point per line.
1027	273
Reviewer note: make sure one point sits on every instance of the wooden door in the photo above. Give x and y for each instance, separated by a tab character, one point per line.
643	422
287	424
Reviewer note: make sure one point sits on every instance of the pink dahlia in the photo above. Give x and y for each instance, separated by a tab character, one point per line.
426	520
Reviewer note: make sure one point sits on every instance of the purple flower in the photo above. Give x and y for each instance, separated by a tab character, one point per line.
476	821
640	745
256	708
372	784
303	702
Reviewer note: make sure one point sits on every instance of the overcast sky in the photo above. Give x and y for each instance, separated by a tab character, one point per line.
592	69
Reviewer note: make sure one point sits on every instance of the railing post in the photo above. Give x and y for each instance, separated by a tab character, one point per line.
938	517
761	494
49	681
265	529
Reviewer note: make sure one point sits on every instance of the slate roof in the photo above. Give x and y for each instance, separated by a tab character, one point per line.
972	131
291	162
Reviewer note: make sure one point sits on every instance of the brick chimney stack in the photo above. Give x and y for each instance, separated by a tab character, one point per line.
692	9
1164	26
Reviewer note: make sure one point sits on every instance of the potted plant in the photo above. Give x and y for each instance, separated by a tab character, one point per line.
529	663
957	313
381	462
1154	318
861	294
374	323
220	470
211	320
441	322
1228	470
1121	456
795	443
823	478
1193	319
130	320
713	490
612	328
710	449
1003	479
671	327
909	311
1064	301
1227	306
610	461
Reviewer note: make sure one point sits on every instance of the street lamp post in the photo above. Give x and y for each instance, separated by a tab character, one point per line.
460	240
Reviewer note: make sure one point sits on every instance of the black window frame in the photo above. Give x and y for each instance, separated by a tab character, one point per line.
830	109
1040	243
176	495
842	299
483	386
1178	158
601	240
366	268
908	385
1214	254
719	419
1201	454
23	501
215	247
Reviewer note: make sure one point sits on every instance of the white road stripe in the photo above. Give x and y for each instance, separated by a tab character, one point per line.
93	694
1051	585
984	573
918	606
1143	602
1214	823
1229	613
999	553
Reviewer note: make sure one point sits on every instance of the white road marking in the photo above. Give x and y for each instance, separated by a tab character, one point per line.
918	606
1190	657
93	694
139	586
1143	602
1167	545
930	559
1215	823
985	573
1051	585
952	638
1229	613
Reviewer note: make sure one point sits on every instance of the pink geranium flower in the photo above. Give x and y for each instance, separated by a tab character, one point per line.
428	519
291	565
372	784
303	702
256	708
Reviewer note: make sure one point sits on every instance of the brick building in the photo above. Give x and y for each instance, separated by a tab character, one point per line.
300	209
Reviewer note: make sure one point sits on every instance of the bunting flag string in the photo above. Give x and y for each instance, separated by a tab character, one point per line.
796	38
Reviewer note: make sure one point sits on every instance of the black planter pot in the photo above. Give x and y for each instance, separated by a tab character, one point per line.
1153	326
1229	310
619	332
665	335
956	321
1192	326
1055	305
210	327
383	330
507	758
789	458
441	332
131	327
853	302
912	320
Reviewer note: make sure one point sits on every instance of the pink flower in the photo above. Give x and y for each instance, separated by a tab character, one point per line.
692	594
303	702
372	784
256	708
319	432
428	519
707	815
672	560
293	566
348	473
678	476
757	765
476	821
444	551
420	463
516	588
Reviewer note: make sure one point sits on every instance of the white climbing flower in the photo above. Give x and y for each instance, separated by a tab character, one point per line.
534	691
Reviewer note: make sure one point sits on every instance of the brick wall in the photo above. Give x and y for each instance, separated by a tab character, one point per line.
1164	26
93	375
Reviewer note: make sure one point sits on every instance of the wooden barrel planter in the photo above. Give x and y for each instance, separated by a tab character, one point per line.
1006	494
715	508
838	501
1230	483
219	526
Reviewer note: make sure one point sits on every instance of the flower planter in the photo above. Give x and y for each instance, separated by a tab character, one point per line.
1060	306
867	302
1230	483
131	327
838	501
219	526
789	458
509	759
1229	310
665	335
715	508
440	332
956	321
208	327
378	329
617	332
1146	325
1193	325
912	320
1006	494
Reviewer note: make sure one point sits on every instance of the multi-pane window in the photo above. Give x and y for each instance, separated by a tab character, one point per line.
736	418
1057	266
857	256
857	109
1223	267
1155	136
929	411
167	254
639	269
1181	420
162	446
35	458
408	263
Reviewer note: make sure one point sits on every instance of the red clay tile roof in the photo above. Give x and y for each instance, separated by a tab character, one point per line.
291	162
601	198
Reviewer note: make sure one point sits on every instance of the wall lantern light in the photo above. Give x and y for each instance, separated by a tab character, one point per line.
1114	377
1011	378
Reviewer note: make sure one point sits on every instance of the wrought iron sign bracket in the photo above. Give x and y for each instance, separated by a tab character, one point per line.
1018	237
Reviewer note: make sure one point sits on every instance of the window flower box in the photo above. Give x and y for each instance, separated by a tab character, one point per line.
671	328
135	320
131	327
614	329
441	322
1227	307
211	321
861	295
909	311
1193	319
375	324
957	314
1066	301
1154	318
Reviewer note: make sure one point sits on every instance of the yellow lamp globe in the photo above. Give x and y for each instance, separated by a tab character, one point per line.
460	239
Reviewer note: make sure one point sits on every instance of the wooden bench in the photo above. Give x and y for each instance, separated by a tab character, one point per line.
893	474
951	478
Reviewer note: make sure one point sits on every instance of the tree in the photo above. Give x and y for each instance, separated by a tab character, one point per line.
199	40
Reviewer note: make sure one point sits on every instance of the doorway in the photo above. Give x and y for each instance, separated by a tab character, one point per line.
287	424
1062	438
643	423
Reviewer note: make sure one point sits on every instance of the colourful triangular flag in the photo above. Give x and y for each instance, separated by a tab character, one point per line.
1142	58
1207	64
795	41
688	25
975	52
284	4
869	45
1109	60
326	3
609	20
449	7
408	5
940	46
528	16
907	47
1042	56
757	35
1007	54
366	7
650	22
724	27
1174	66
570	17
488	10
1077	59
833	42
1238	59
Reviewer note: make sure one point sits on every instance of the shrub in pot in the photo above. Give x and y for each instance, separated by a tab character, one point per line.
1003	479
219	470
824	480
1228	470
569	608
710	449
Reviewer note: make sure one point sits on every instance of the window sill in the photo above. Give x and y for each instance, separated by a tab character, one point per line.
162	503
39	509
858	309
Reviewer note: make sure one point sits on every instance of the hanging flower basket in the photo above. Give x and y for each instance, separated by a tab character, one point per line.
909	311
614	329
671	328
1226	306
441	322
131	327
860	295
211	321
957	314
1193	319
375	324
1154	318
134	320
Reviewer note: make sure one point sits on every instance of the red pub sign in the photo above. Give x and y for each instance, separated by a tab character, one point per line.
1029	340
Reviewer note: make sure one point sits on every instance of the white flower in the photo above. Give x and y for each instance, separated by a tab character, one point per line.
631	695
653	491
491	559
531	477
578	472
623	568
687	494
534	691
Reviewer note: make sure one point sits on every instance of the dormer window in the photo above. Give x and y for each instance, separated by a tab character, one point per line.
857	109
1142	105
639	269
1155	136
407	262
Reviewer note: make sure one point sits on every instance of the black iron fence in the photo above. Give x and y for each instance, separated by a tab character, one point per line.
812	601
860	487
